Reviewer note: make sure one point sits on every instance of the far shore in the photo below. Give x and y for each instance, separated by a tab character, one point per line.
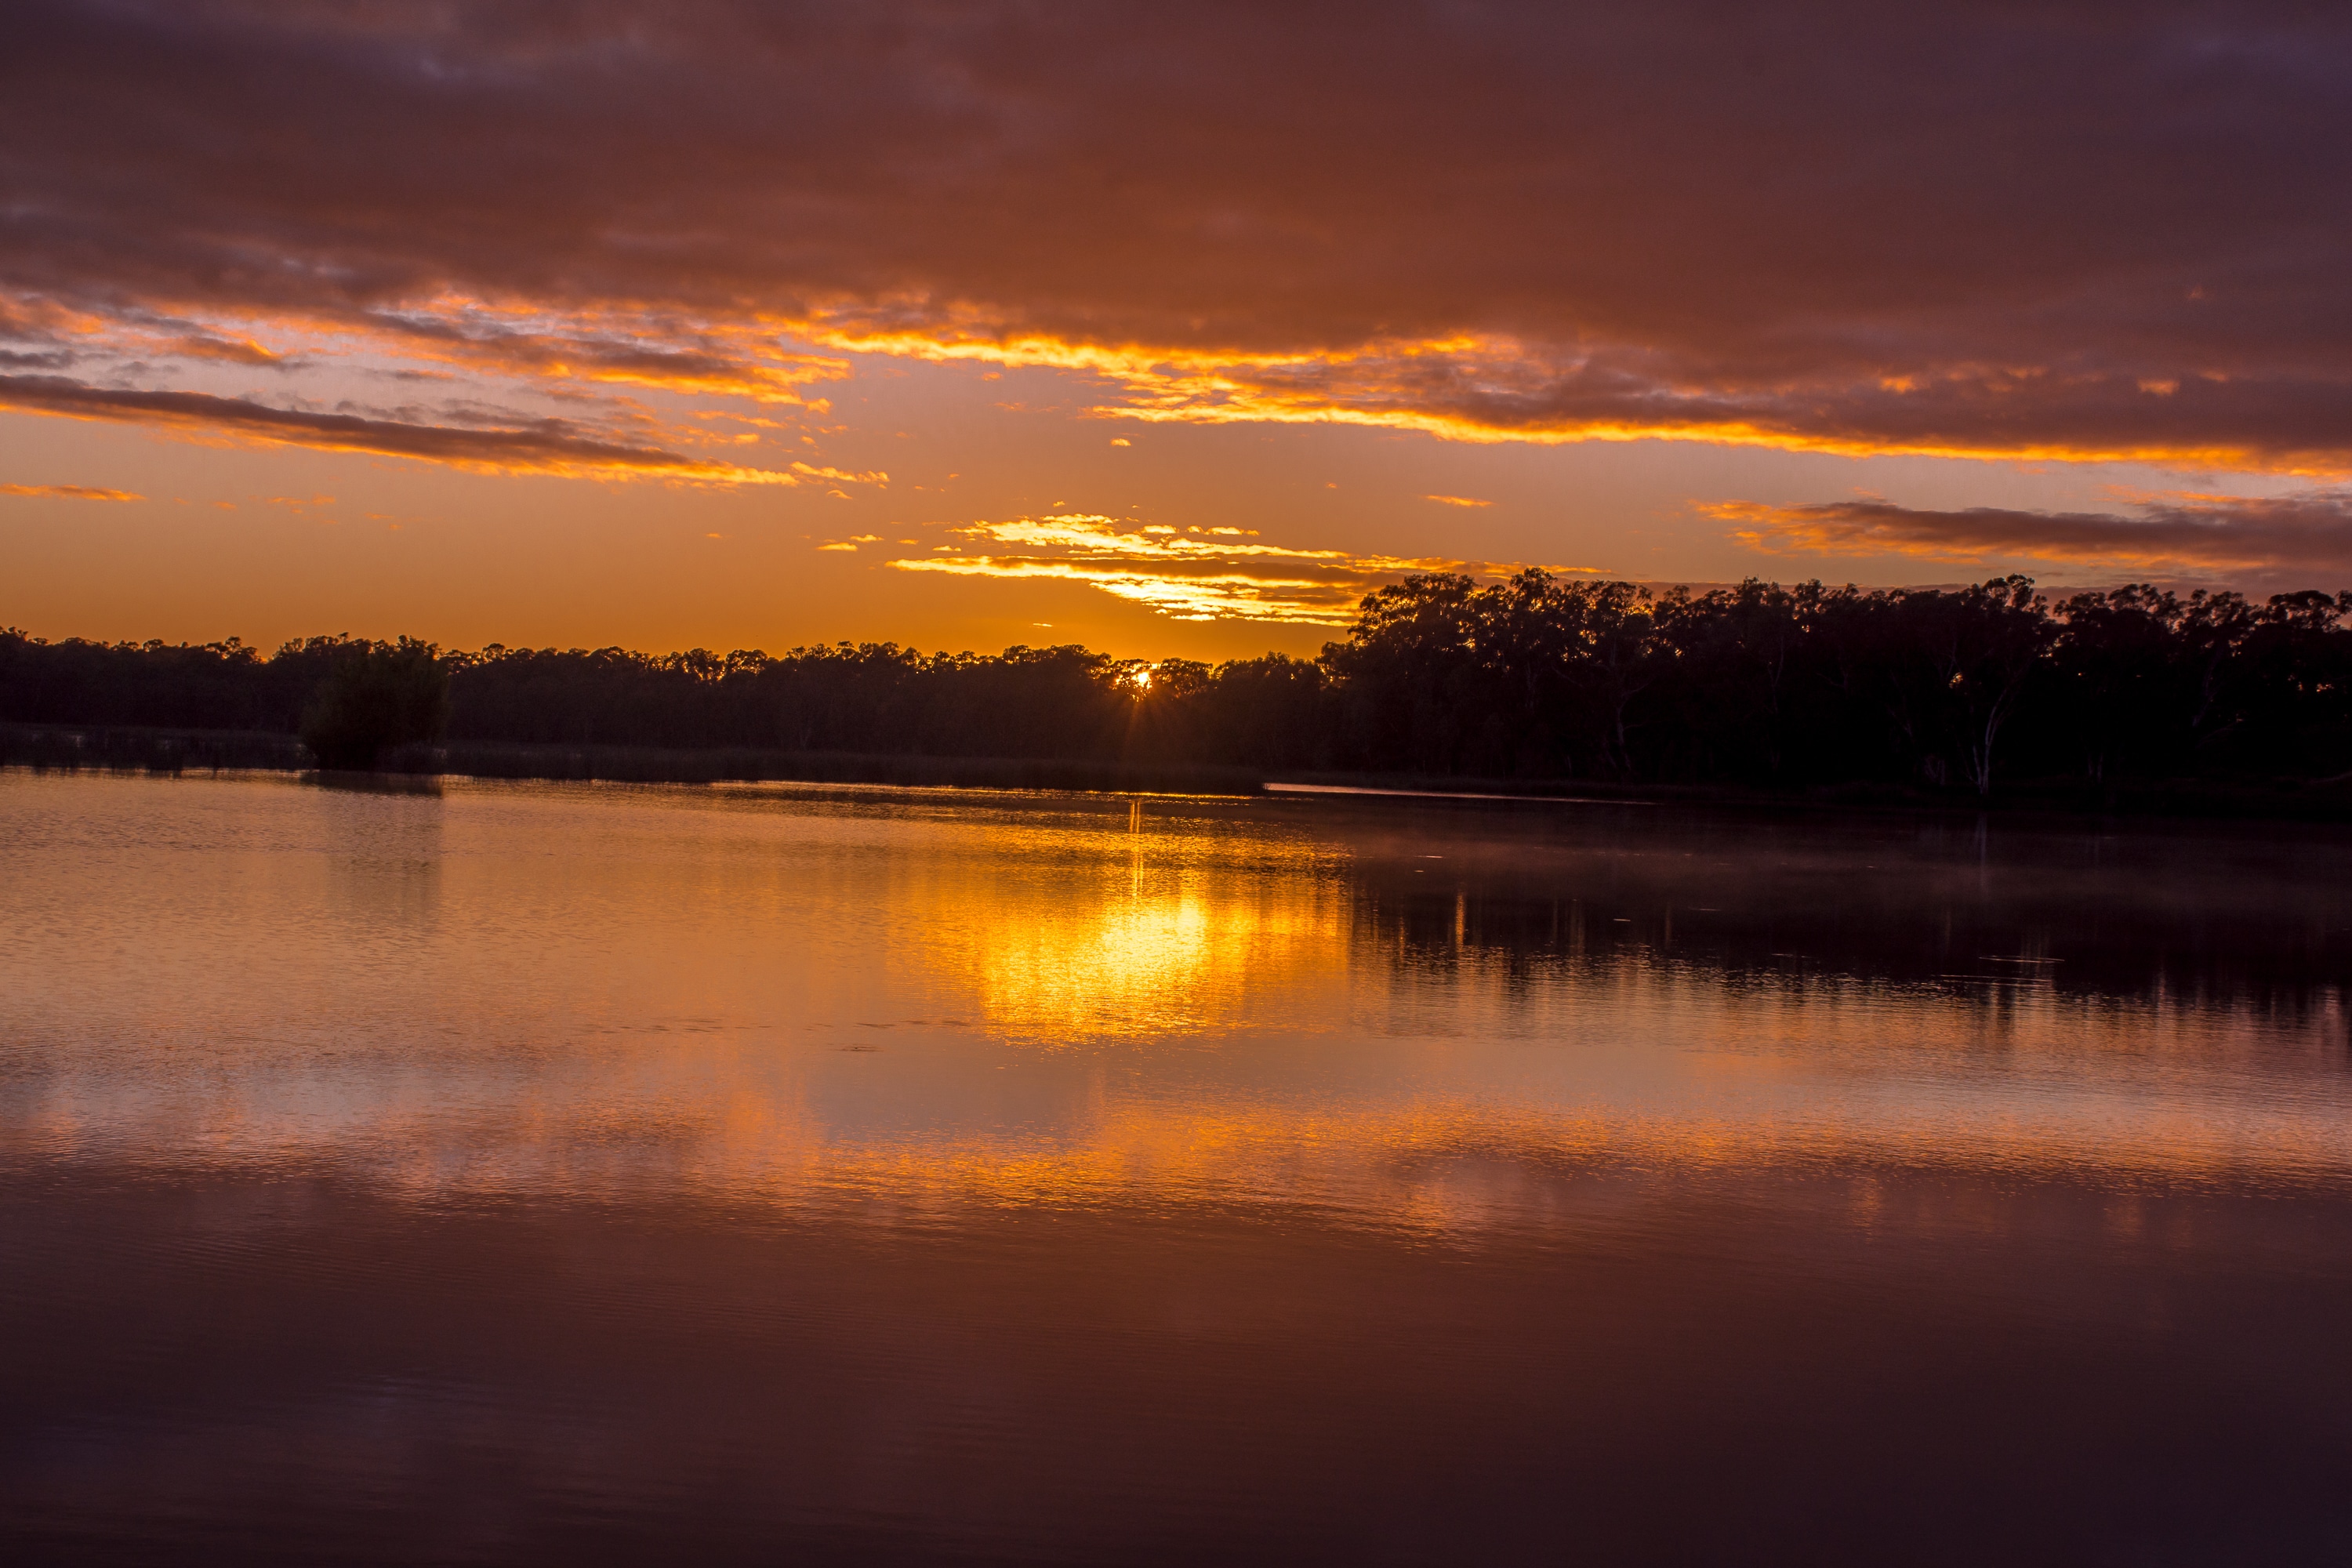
124	749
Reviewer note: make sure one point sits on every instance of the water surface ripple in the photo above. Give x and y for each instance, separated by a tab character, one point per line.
493	1172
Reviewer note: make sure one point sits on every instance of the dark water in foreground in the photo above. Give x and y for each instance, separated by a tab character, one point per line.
583	1173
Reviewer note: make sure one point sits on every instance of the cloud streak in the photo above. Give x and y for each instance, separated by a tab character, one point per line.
547	448
2308	534
1818	231
68	492
1188	574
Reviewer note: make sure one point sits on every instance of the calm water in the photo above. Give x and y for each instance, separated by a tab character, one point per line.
571	1173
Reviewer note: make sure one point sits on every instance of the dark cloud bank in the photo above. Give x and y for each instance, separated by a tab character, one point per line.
2269	541
2067	230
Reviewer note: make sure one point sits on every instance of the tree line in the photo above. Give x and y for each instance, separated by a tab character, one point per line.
1534	677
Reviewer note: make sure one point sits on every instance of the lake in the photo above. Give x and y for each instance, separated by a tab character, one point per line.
493	1172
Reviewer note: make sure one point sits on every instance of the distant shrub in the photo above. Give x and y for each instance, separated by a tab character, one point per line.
376	696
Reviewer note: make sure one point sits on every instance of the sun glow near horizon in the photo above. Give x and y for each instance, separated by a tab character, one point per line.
539	343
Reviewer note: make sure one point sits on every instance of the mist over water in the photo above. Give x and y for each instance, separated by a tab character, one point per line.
492	1171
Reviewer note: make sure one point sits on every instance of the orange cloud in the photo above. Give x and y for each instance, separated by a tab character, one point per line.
1195	575
840	476
68	492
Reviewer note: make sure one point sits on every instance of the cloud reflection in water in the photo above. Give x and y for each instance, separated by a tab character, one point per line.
810	998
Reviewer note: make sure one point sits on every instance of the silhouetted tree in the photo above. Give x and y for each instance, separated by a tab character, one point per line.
1409	672
376	696
1534	676
1731	703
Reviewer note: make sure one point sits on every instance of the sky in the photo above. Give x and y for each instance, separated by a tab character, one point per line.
1167	330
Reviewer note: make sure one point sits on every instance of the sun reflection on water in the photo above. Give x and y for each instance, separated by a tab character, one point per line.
800	1002
1170	954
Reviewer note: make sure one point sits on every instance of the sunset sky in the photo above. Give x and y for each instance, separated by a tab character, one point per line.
1169	330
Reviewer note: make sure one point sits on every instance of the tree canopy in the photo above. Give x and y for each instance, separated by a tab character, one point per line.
1531	677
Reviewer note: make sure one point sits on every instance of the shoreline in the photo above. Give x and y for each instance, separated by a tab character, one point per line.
120	749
